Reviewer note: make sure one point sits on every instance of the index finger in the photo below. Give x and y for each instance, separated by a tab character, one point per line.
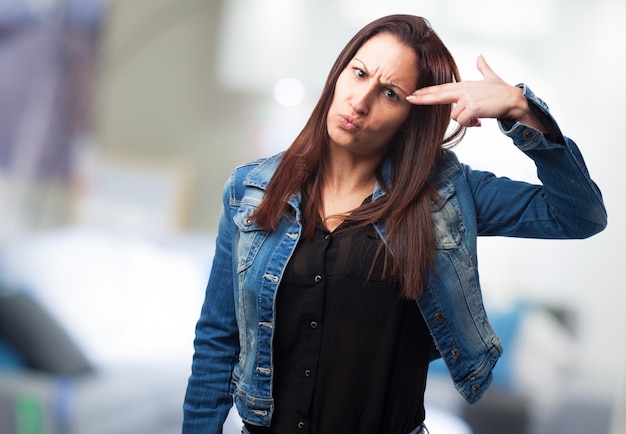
432	95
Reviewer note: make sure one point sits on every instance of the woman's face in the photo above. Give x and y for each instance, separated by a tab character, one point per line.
369	104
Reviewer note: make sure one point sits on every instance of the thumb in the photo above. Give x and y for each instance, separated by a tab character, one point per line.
484	68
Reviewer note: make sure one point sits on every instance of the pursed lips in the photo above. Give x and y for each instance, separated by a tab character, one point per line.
348	123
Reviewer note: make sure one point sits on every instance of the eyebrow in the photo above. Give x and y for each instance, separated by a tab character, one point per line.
395	86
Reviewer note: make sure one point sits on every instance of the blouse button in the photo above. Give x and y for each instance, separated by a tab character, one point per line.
318	278
313	324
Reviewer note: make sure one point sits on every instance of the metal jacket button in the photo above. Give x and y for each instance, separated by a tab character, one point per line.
527	134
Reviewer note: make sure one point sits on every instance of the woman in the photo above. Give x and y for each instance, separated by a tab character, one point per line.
310	320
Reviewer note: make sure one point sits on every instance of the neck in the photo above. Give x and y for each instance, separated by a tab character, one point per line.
346	185
346	174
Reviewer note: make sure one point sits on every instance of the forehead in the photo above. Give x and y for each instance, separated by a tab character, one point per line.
387	56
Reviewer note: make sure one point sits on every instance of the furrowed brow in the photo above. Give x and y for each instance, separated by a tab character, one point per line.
393	85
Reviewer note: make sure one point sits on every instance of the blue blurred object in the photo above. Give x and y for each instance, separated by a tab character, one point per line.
37	337
10	360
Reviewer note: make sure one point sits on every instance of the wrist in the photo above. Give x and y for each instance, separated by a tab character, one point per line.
521	112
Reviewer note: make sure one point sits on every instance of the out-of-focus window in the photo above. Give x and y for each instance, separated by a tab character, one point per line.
47	67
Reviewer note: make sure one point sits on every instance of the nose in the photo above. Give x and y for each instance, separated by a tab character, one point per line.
362	99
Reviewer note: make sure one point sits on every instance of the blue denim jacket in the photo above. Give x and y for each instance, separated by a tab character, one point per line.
233	346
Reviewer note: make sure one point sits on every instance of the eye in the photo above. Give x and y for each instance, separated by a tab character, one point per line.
390	94
360	73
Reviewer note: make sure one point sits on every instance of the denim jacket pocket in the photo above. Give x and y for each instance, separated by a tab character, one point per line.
447	218
251	237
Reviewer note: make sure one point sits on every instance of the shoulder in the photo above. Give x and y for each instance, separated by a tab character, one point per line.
446	167
256	173
258	170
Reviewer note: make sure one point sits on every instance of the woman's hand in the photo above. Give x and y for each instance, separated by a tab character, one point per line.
490	97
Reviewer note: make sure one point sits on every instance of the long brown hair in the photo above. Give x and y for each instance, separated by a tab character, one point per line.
405	207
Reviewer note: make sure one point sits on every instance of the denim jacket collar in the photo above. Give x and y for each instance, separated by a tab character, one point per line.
260	176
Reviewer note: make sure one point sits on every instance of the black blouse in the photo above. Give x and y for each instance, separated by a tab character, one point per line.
350	356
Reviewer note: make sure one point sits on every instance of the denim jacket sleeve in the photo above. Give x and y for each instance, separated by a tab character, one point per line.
208	398
568	204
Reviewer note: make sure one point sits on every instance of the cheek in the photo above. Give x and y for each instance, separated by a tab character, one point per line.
402	120
393	122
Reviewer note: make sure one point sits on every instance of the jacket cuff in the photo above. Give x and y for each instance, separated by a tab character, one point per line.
541	111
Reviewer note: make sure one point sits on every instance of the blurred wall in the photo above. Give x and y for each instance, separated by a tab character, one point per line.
158	98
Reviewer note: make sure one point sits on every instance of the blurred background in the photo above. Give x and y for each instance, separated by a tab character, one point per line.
120	121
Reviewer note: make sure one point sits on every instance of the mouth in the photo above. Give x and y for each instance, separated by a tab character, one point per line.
348	123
